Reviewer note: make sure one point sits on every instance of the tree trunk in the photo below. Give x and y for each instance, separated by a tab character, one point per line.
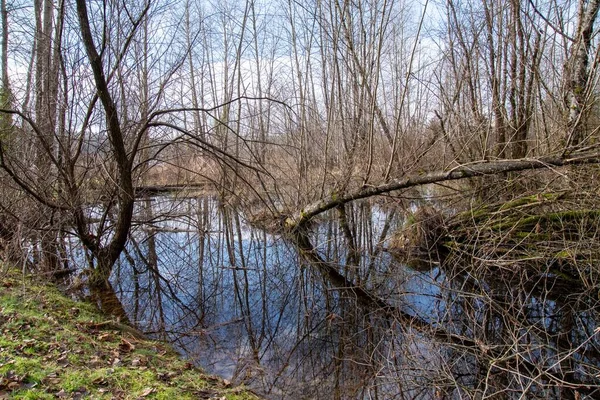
109	254
486	168
4	62
576	73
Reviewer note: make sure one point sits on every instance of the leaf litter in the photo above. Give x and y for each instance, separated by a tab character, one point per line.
52	347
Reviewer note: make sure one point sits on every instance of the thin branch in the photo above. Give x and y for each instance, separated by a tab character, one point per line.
483	168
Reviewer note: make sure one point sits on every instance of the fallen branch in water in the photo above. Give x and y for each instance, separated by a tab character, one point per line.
302	217
494	355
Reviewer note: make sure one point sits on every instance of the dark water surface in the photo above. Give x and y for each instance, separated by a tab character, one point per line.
244	304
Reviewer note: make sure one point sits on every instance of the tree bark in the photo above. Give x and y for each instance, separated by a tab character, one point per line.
576	72
4	18
484	168
109	254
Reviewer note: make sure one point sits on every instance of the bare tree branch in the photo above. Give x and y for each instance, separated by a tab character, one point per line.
483	168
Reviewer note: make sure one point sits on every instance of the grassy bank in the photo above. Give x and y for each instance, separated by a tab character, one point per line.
52	347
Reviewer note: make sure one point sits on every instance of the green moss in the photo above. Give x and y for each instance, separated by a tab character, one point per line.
564	254
51	344
532	235
74	380
32	394
548	220
533	199
30	369
518	202
531	230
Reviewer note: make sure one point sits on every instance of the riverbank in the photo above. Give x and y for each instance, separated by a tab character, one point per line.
53	347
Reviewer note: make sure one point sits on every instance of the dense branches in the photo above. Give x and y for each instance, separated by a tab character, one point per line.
301	218
314	119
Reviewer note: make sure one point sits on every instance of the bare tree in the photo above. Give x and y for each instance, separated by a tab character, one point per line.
578	85
336	128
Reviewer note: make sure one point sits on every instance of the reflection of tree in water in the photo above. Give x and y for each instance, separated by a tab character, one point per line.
349	321
297	112
531	311
531	337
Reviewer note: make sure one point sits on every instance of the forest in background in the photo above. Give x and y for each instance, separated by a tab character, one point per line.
484	113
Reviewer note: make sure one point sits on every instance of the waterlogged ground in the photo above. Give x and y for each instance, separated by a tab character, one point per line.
52	347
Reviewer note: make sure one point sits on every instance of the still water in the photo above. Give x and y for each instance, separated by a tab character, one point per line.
244	304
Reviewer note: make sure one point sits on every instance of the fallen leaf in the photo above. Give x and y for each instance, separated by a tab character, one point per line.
147	392
52	378
126	346
101	381
80	393
165	376
95	361
62	360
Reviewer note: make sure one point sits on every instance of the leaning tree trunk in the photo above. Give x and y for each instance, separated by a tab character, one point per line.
301	218
109	254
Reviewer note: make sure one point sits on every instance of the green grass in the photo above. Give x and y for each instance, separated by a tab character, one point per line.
53	347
